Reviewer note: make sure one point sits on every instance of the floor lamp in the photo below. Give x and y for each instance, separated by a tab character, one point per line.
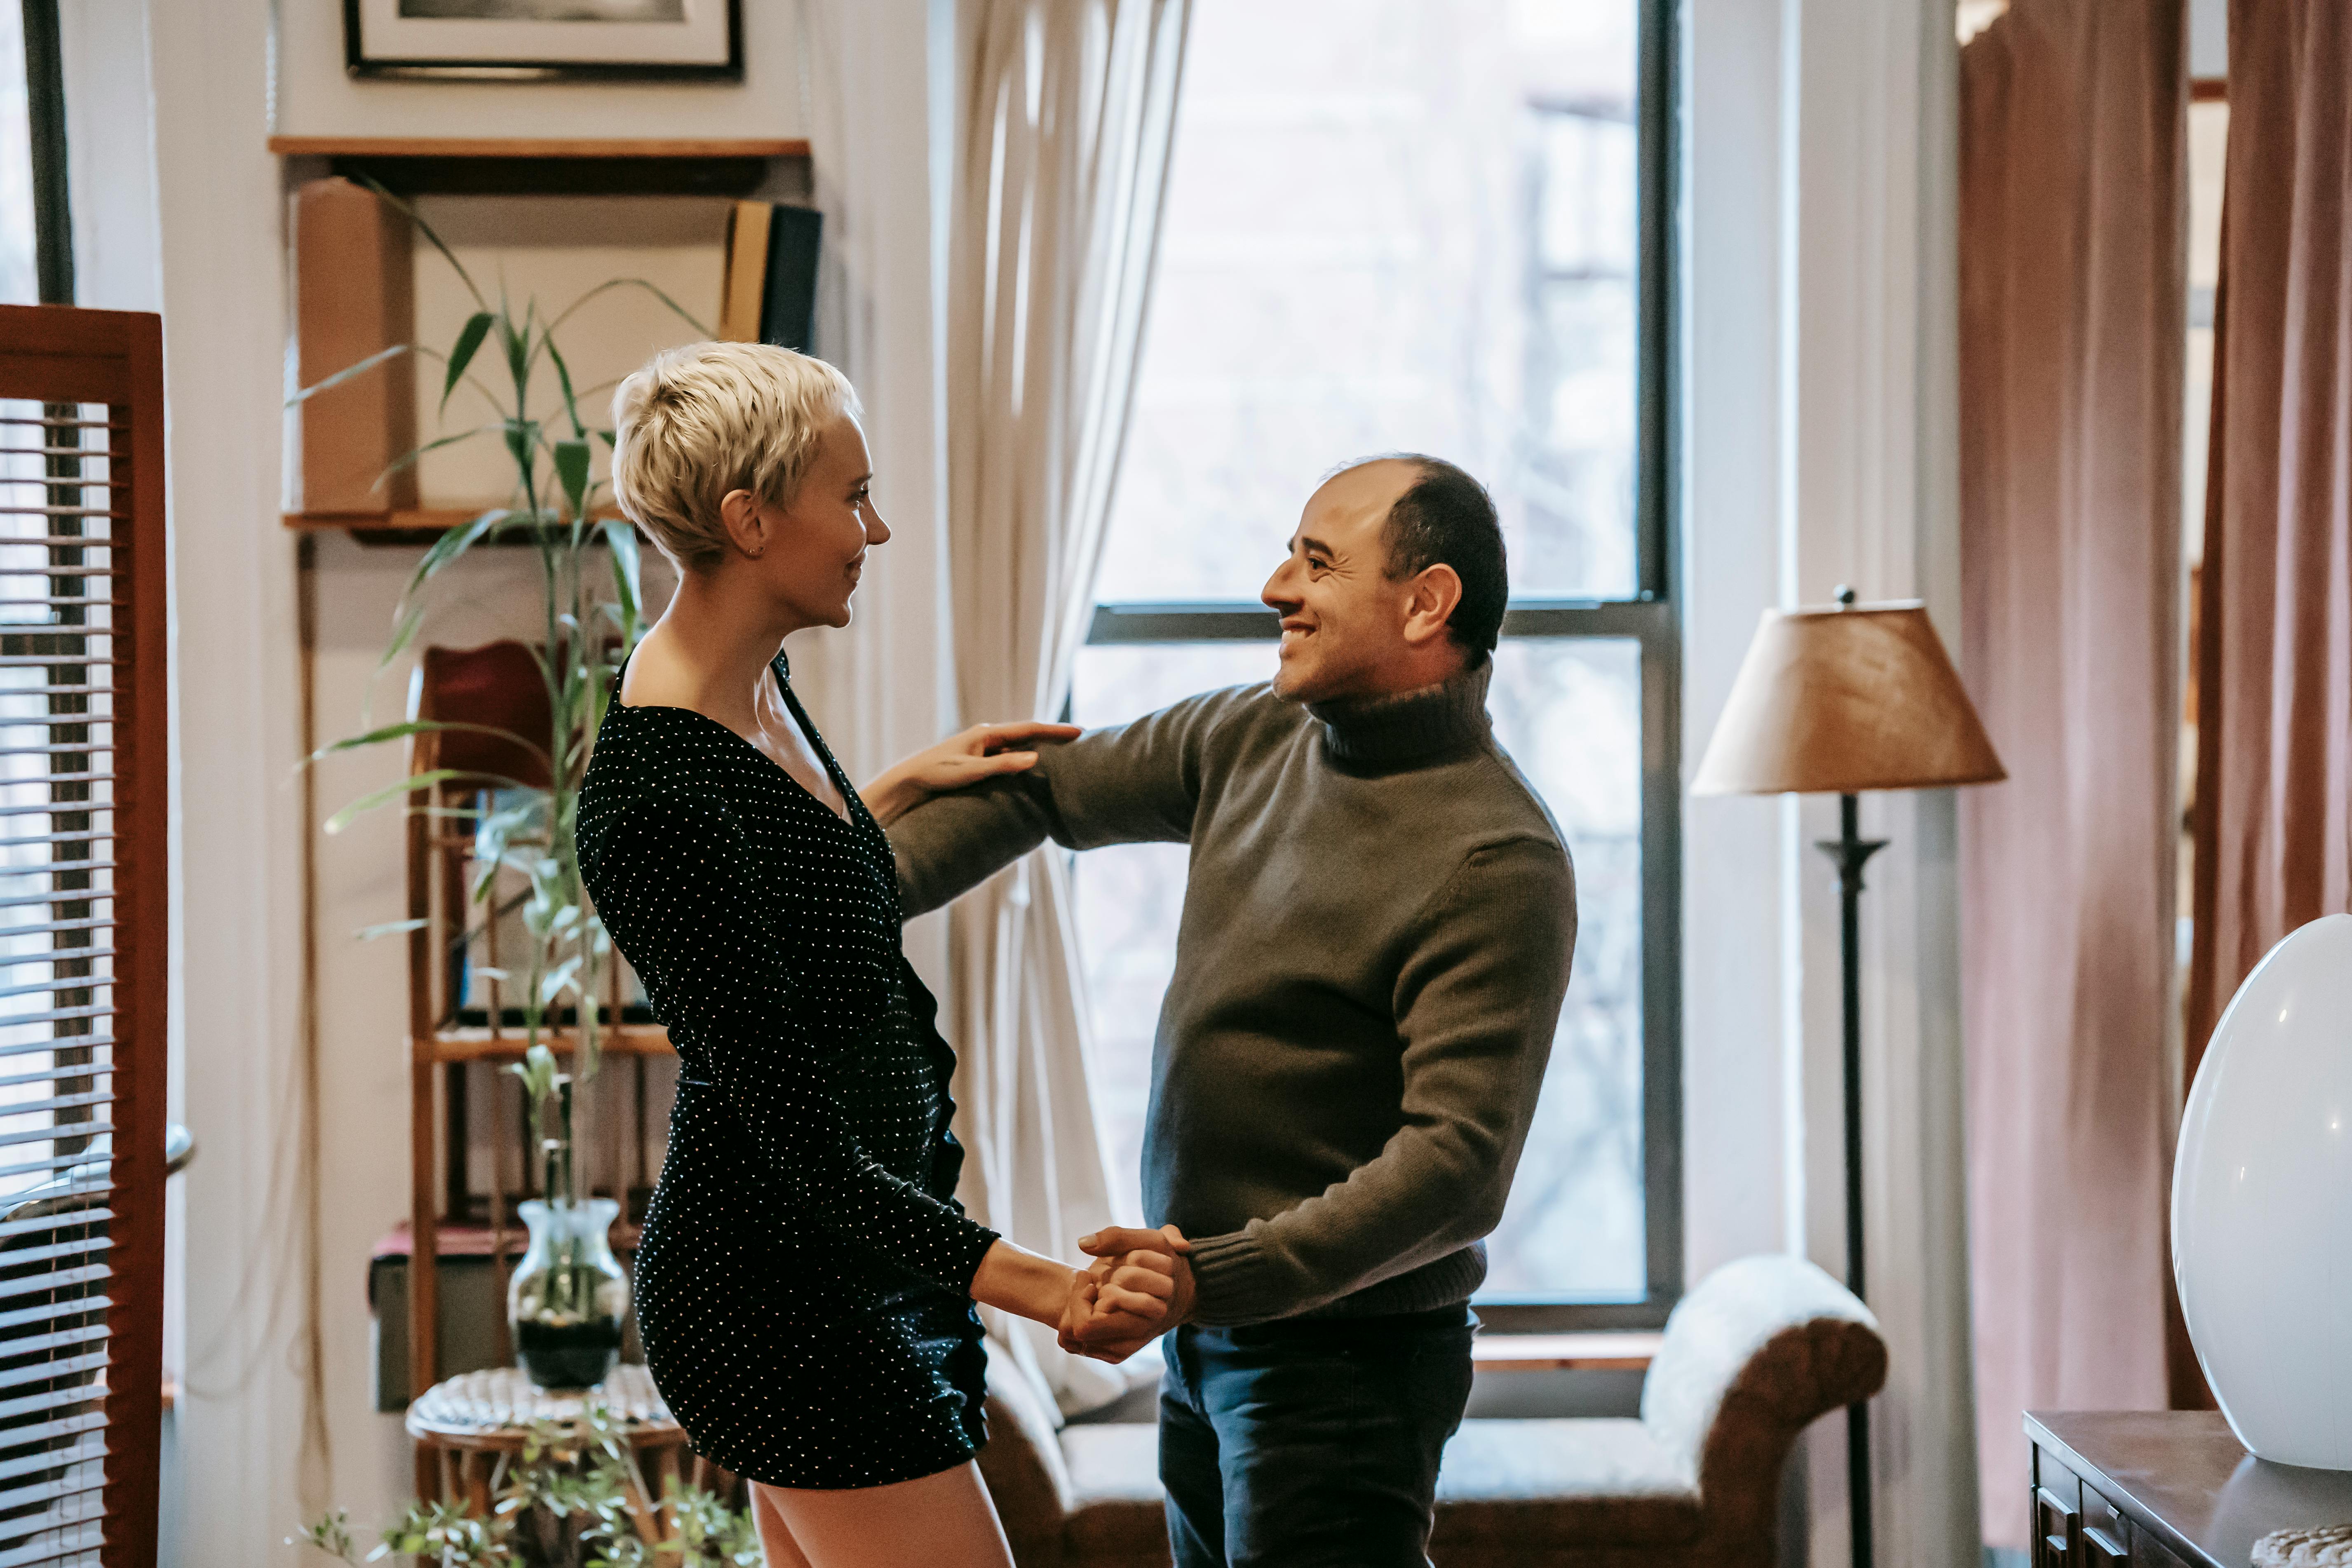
1837	701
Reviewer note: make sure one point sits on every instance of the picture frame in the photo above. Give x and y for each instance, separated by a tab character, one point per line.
544	40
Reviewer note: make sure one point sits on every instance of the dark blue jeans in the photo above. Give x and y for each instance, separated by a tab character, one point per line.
1310	1444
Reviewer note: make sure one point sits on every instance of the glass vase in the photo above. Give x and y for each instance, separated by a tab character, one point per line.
567	1298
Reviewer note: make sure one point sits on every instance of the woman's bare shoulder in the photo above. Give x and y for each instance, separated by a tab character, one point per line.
657	677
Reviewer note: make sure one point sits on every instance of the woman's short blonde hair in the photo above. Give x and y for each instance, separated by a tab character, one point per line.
699	421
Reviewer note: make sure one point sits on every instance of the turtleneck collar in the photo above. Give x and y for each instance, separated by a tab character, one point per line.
1407	726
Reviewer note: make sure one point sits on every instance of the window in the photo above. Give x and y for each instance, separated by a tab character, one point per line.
1432	226
17	275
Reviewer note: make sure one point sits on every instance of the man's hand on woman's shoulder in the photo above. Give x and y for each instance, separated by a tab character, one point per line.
980	753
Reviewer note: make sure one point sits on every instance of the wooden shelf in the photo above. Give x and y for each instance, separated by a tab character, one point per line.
474	166
421	526
1566	1353
534	147
424	524
508	1045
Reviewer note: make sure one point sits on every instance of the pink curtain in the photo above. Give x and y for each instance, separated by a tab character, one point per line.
2071	330
2273	814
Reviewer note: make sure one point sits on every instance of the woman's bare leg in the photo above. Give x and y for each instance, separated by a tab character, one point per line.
776	1542
937	1521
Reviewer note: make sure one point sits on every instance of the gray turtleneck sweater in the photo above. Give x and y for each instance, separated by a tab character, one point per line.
1375	940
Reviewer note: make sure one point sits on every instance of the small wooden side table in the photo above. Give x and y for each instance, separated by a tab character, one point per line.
2170	1488
470	1427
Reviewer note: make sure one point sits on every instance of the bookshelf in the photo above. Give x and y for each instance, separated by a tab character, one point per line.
724	167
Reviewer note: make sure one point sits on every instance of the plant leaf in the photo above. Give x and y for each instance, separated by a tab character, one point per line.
564	380
427	230
552	984
610	284
453	544
476	382
516	340
417	453
522	442
389	928
628	578
348	372
410	784
401	730
469	339
572	470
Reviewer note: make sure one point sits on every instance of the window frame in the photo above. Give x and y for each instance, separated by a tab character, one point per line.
45	110
1652	618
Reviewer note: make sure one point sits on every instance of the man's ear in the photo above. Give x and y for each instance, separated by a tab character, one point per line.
739	513
1437	591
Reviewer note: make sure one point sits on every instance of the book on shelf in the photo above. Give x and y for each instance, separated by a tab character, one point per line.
354	297
770	292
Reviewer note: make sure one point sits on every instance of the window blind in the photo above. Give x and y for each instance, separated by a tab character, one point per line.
83	837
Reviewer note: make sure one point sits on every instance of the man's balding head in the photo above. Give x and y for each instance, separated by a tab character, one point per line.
1436	514
1396	579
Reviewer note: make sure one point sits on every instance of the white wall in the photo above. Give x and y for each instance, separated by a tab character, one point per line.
238	939
1821	449
1740	1130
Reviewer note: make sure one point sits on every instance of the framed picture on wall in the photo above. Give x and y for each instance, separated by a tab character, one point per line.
545	40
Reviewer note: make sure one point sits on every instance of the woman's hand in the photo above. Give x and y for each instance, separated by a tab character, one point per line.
1091	1327
1139	1288
980	753
1092	1317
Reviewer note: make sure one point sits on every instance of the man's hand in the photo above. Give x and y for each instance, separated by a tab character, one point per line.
980	753
1141	1277
1088	1331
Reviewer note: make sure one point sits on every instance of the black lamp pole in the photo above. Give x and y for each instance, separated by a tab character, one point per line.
1848	699
1851	851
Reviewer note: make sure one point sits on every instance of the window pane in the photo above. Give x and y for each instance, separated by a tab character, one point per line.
1570	712
1391	224
19	281
1130	896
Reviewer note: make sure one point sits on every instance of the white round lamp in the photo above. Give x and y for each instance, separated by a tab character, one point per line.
2262	1203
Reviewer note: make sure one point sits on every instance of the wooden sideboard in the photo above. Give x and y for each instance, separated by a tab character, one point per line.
2172	1489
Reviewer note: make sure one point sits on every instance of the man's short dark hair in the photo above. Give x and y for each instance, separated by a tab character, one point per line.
1446	518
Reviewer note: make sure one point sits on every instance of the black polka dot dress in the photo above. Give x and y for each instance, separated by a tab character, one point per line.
803	1282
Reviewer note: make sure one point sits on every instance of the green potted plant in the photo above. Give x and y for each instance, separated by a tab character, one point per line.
567	1301
577	1498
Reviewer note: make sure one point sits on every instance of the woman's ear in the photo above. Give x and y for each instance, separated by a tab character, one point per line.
739	514
1436	590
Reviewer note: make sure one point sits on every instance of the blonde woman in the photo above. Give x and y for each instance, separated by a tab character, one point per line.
805	1284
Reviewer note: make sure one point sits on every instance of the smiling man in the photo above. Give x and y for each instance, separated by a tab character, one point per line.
1375	941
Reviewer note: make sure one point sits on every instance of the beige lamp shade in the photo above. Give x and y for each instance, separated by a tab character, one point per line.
1841	701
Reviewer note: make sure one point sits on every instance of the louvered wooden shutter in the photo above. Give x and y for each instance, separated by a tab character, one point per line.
83	836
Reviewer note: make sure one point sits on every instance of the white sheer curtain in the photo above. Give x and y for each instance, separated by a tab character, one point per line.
1064	111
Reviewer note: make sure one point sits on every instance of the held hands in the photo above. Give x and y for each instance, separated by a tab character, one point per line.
1139	1287
980	753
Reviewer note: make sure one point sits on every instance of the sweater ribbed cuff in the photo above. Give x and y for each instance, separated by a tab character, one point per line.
1235	1281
